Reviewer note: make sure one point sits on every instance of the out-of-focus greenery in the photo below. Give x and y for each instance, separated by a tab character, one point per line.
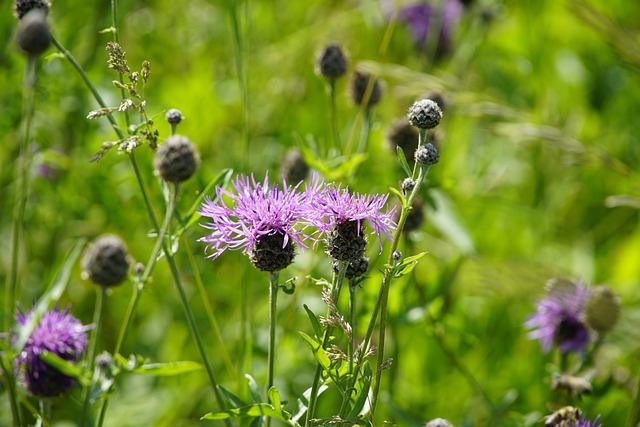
539	130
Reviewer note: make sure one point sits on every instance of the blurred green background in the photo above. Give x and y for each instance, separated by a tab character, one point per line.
539	131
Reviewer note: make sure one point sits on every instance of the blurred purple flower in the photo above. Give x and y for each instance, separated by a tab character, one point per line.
258	209
59	333
419	17
584	422
559	319
338	206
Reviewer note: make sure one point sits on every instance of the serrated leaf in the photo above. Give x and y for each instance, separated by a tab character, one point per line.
167	369
66	367
255	410
50	297
318	352
403	161
315	322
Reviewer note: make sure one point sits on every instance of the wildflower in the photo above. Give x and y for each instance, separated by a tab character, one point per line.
176	160
602	309
293	168
106	263
360	89
344	215
584	422
22	7
59	333
264	221
559	319
332	63
427	155
425	114
33	35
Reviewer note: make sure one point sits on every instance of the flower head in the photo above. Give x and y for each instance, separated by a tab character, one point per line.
344	216
59	333
332	63
33	36
559	319
106	262
584	422
177	159
22	7
260	220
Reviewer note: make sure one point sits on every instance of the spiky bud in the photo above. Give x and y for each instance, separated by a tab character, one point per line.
427	154
332	62
603	309
177	159
360	89
269	253
346	242
425	114
294	168
173	116
22	7
407	186
33	35
106	262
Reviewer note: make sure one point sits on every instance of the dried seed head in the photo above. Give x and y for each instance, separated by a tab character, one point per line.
603	309
173	116
346	242
269	253
332	63
293	168
176	160
33	35
106	263
427	155
360	84
22	7
425	114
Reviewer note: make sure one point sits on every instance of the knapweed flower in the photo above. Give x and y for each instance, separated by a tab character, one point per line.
22	7
107	261
263	220
332	63
33	36
177	159
360	90
559	319
344	216
59	333
584	422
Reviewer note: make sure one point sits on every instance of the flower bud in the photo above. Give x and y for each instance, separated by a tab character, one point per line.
427	155
106	263
173	116
293	168
359	89
176	160
603	309
332	63
22	7
425	114
33	35
407	186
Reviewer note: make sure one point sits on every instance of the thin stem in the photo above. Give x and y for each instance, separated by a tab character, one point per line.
634	416
352	321
273	301
11	386
45	412
98	311
333	117
185	305
17	228
336	286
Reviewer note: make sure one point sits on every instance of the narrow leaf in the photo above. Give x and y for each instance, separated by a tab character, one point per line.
255	410
231	398
315	322
302	404
167	369
274	398
253	388
318	352
403	161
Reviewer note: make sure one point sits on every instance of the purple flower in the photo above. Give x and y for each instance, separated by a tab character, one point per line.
559	319
584	422
262	220
59	333
343	217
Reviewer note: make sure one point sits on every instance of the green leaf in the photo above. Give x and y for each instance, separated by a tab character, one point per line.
167	369
363	395
302	404
274	398
253	388
255	410
403	161
64	366
315	322
231	398
399	194
318	352
50	297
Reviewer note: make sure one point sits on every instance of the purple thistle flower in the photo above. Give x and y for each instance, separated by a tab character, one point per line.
344	214
261	218
584	422
59	333
559	319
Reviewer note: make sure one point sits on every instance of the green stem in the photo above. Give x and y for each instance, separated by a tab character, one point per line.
11	386
98	311
333	117
352	321
273	301
336	286
45	412
634	416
